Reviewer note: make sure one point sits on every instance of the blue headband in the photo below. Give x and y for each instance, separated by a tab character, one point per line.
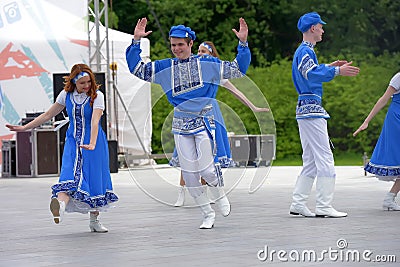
181	31
80	75
209	48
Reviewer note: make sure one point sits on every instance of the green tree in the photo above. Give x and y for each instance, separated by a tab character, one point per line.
363	31
352	26
128	13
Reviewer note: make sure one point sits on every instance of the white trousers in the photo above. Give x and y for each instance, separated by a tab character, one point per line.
317	155
196	160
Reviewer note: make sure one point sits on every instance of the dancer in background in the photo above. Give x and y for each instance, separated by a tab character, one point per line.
385	160
85	182
308	76
223	157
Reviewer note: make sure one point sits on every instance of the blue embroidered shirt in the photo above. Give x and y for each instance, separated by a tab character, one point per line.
308	77
190	84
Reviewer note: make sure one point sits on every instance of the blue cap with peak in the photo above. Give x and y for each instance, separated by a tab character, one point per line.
307	20
181	31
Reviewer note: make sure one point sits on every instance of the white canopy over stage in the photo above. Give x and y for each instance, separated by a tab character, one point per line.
39	38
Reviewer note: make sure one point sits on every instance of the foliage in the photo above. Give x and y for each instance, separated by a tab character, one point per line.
363	31
112	16
348	100
341	159
276	84
368	27
161	110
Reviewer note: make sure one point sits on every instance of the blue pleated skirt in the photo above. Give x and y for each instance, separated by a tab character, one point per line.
385	160
85	174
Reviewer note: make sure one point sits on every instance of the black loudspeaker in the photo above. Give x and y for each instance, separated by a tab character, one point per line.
113	153
24	156
8	158
37	153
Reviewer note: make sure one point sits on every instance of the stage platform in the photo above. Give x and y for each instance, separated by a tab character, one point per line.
146	230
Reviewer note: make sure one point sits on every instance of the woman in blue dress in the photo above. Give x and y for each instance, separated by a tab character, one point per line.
85	181
385	160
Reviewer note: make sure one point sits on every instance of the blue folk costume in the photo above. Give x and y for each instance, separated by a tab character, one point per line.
85	174
385	160
318	162
191	86
223	156
308	77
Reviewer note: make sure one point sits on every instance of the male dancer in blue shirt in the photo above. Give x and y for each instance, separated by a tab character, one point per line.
190	84
308	76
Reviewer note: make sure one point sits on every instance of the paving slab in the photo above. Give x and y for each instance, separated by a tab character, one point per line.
146	230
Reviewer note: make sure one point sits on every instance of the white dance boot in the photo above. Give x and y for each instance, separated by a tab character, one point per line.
208	195
301	192
57	208
325	188
181	197
208	213
95	225
389	203
221	200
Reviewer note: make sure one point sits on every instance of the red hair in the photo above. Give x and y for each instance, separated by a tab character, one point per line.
70	86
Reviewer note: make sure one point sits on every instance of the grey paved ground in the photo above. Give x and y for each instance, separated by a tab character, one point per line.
146	231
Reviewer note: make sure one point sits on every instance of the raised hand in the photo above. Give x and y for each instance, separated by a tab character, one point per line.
140	29
243	30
